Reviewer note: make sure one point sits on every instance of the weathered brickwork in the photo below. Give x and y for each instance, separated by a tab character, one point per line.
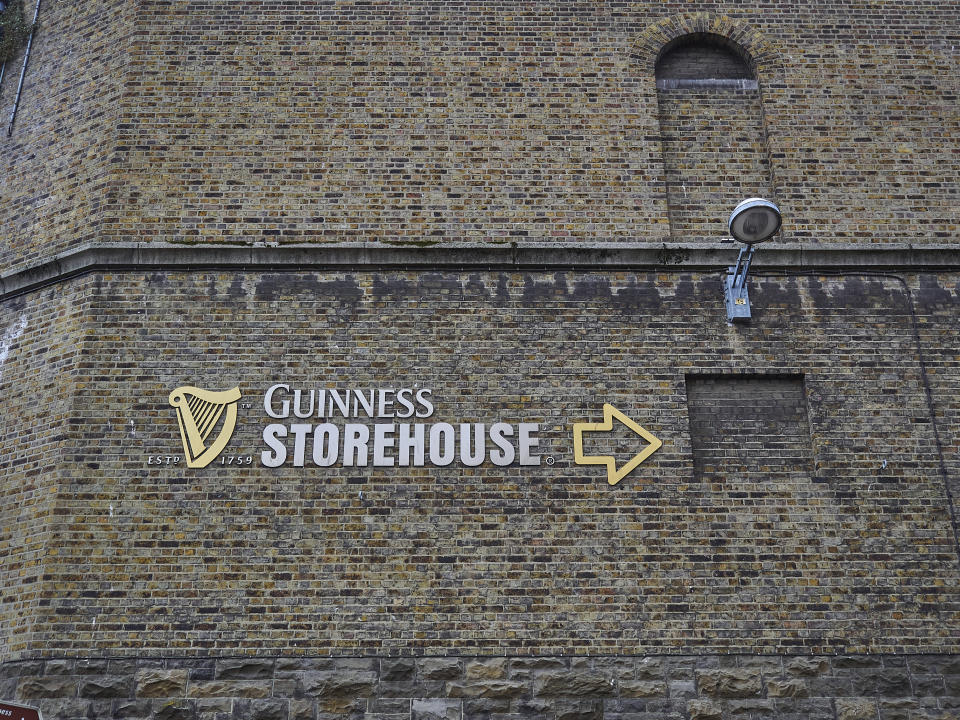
59	165
791	551
715	155
715	149
424	122
40	343
852	553
656	687
703	56
749	427
937	301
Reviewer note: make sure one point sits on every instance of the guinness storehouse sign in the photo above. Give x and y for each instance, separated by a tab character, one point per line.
380	427
400	441
322	427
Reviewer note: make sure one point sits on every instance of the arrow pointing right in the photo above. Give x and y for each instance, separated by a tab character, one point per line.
613	475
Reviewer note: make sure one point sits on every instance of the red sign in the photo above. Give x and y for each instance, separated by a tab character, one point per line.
9	711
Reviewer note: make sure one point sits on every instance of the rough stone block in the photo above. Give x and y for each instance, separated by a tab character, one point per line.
492	669
106	687
704	710
807	666
261	709
753	708
893	683
804	709
786	688
494	689
856	709
536	663
131	709
157	683
899	709
642	688
91	667
50	686
574	683
566	709
846	662
175	710
927	685
649	668
339	683
438	668
403	689
214	705
436	709
682	689
729	683
302	709
244	669
397	669
230	688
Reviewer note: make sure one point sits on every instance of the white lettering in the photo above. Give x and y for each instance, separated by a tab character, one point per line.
442	456
403	398
381	442
355	439
385	406
472	452
279	454
268	399
361	400
526	442
406	443
299	432
505	454
329	434
343	403
296	404
425	404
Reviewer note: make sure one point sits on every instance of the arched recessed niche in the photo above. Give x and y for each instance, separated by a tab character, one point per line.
712	130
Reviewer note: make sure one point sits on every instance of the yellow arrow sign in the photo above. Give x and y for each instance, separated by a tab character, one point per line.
613	475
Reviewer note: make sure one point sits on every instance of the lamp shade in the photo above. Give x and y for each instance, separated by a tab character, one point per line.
754	220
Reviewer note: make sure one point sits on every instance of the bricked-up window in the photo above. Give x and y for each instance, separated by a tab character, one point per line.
713	135
750	430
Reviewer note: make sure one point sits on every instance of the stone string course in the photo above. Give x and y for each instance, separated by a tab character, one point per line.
655	687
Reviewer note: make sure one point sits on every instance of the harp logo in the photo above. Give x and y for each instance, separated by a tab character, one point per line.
198	413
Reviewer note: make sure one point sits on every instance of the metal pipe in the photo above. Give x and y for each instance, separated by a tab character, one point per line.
23	70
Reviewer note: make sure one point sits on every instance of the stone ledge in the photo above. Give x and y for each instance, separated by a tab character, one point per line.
699	257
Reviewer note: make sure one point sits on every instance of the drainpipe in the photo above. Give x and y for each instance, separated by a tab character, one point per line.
23	70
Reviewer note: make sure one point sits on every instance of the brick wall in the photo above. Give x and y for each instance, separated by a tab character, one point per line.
854	553
429	122
715	155
749	428
827	589
40	354
702	57
57	168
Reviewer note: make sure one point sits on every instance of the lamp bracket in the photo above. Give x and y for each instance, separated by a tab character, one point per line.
735	294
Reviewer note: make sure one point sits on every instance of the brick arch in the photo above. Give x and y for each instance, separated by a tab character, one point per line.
763	55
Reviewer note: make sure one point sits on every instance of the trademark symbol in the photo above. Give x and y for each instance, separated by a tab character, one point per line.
246	406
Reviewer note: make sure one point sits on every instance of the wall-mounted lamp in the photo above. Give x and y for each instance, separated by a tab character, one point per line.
752	222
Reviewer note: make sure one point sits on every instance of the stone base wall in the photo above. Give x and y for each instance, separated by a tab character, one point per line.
681	687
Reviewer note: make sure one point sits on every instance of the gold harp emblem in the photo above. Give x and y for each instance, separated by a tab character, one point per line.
198	412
